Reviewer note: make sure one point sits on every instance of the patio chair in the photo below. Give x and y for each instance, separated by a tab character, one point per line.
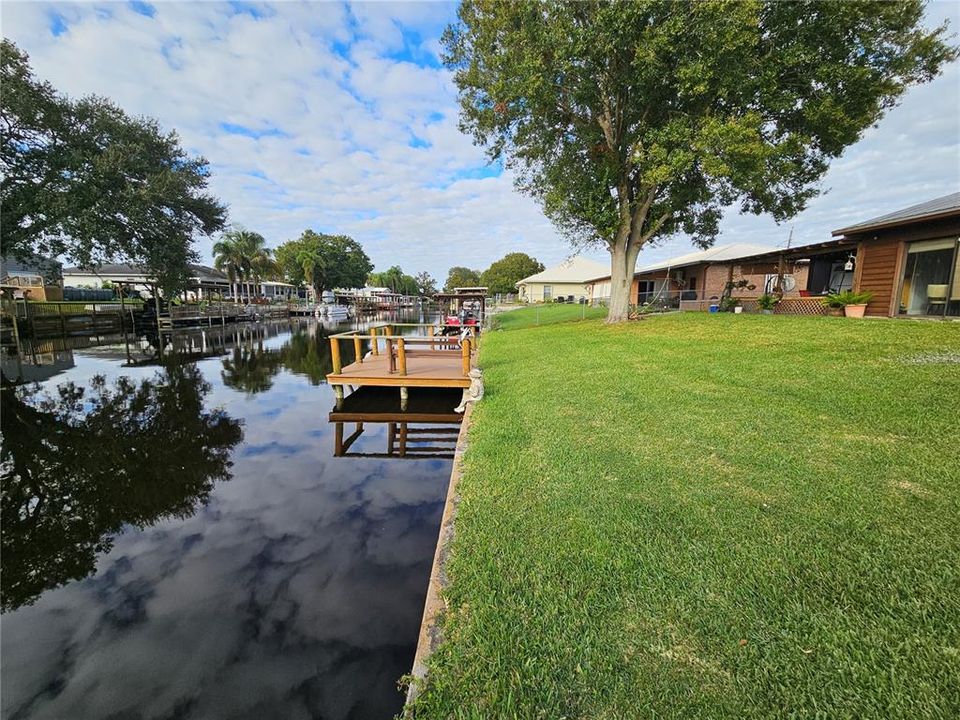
936	298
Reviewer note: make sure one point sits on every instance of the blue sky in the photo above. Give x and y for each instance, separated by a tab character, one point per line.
341	118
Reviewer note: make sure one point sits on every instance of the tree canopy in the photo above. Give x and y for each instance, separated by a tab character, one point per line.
630	122
395	279
426	285
323	262
461	277
502	275
84	180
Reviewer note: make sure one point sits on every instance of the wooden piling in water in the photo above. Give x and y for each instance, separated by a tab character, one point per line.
335	354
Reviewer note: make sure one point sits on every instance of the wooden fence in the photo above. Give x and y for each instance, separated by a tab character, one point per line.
789	306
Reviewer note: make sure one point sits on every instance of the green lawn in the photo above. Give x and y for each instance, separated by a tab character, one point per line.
545	314
701	516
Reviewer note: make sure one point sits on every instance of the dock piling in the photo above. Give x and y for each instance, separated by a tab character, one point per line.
335	354
465	355
401	357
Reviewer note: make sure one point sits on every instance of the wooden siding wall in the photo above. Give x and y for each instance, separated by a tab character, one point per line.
881	255
878	265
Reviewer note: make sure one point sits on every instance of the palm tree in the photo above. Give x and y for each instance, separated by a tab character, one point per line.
263	266
228	258
236	253
312	263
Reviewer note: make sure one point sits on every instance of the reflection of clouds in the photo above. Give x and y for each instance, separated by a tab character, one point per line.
297	590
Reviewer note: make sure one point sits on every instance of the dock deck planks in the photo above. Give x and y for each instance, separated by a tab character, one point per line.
424	369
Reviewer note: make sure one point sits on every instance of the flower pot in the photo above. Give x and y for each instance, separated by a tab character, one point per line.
835	312
738	309
766	311
854	311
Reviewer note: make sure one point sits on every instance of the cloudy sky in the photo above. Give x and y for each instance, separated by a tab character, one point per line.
341	118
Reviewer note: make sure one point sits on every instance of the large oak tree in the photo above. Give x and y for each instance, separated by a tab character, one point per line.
459	276
631	122
502	275
324	262
85	181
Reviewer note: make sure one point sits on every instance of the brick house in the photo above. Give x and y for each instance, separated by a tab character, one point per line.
909	259
695	280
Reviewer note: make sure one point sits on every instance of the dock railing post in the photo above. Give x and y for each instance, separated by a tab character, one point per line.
357	349
335	354
374	343
465	355
401	357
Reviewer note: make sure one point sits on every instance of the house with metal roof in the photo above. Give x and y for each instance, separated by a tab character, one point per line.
909	259
570	280
695	280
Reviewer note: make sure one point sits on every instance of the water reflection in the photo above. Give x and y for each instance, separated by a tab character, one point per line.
79	463
292	591
428	428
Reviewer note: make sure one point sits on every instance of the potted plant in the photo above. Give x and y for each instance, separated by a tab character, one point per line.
767	303
854	304
834	305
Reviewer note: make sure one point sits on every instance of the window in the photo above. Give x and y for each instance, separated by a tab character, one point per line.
930	282
645	291
548	292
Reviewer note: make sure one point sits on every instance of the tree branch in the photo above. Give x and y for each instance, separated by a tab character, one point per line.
658	223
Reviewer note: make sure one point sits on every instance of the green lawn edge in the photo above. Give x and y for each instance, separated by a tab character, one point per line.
708	516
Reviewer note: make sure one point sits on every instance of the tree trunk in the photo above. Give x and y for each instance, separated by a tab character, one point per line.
623	255
621	281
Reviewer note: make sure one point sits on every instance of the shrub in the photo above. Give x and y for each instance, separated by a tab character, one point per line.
847	297
767	301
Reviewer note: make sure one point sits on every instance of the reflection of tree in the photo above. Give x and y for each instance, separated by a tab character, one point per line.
77	465
308	353
251	369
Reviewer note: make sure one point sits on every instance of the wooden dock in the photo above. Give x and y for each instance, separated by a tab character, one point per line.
420	359
427	429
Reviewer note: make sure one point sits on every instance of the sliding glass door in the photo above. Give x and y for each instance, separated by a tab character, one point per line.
931	279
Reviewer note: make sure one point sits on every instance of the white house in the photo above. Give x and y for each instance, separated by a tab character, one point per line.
204	280
569	279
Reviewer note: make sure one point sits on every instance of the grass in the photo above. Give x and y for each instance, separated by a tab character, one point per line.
710	516
545	314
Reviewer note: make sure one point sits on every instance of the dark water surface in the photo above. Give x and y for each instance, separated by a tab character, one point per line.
179	540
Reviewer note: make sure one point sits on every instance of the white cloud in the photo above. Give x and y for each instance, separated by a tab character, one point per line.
340	97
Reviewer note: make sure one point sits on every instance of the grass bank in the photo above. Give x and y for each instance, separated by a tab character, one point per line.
708	516
545	314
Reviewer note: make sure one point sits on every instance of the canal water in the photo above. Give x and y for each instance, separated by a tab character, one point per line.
179	539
